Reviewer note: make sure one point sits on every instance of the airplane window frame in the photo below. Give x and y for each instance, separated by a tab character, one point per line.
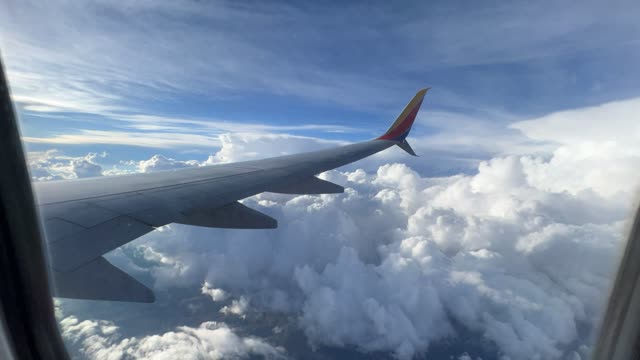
29	328
619	333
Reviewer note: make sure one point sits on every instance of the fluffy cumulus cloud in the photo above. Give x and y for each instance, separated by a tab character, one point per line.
215	294
251	146
99	339
238	307
54	165
597	148
401	261
160	162
490	258
519	254
51	165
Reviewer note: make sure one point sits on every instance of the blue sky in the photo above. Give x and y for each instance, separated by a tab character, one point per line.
104	72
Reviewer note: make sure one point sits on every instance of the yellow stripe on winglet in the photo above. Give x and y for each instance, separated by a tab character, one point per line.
407	109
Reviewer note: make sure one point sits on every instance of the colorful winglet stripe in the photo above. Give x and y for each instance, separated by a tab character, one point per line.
401	127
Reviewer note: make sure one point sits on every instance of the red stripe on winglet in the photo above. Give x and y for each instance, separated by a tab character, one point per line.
404	126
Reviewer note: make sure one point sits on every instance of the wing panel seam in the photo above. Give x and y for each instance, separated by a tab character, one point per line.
153	188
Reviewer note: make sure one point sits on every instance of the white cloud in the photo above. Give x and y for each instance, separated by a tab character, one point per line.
156	122
160	140
600	143
47	73
160	132
238	307
491	257
215	294
160	162
355	303
99	339
251	146
494	259
51	165
612	123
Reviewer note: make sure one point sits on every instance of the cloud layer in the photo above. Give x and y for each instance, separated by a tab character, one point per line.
51	165
401	261
518	254
211	340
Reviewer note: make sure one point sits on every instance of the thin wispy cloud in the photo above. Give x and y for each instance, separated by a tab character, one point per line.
150	139
139	121
98	57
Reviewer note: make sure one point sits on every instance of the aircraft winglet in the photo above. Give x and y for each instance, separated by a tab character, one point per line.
401	127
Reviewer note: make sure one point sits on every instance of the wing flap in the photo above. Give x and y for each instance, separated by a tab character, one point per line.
79	248
231	216
79	213
127	203
308	186
100	280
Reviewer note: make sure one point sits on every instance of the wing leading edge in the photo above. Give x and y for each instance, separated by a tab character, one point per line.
87	218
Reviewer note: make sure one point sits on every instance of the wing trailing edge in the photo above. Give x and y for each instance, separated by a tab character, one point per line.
82	245
100	280
231	216
307	186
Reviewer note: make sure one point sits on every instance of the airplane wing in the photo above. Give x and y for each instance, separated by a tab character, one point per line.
86	218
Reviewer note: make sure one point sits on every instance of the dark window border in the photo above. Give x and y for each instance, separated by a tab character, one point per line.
25	297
